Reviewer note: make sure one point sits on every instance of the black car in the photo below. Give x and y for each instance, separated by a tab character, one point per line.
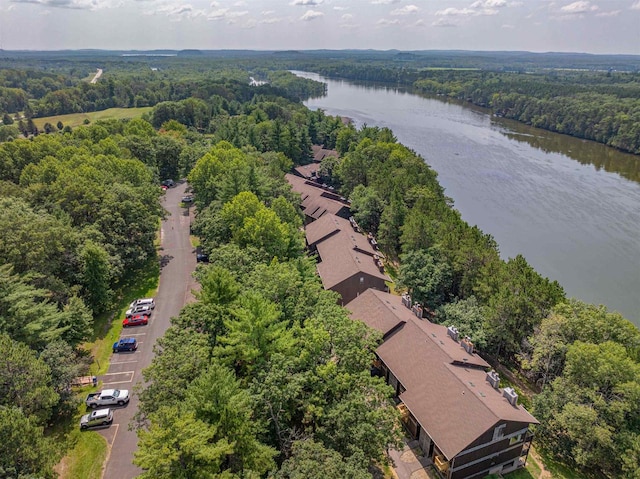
202	258
168	183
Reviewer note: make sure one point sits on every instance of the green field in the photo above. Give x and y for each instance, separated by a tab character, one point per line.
77	119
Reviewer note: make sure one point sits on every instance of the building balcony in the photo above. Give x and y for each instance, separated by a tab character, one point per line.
441	464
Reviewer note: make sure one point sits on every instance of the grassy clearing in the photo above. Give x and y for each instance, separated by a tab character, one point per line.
87	457
77	119
556	469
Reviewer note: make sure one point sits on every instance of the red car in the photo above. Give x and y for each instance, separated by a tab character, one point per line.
135	320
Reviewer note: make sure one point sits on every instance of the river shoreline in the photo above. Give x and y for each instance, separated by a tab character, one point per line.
568	205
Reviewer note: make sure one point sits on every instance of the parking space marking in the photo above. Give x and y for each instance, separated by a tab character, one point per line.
122	362
114	435
137	334
124	373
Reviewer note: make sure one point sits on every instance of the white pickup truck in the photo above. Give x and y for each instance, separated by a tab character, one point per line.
108	397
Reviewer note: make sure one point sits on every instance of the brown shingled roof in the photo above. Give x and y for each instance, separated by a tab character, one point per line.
344	255
319	153
308	171
454	403
316	201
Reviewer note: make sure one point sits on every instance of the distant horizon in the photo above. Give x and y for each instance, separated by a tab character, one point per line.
599	27
293	50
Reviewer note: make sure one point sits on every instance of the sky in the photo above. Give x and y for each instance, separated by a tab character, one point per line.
591	26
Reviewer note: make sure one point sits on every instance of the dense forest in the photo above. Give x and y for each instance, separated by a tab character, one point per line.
265	375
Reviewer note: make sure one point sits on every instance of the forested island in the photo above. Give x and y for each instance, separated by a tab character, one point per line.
265	375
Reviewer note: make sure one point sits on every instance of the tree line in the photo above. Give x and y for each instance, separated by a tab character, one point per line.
594	105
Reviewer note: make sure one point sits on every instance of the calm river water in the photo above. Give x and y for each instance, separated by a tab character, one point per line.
571	207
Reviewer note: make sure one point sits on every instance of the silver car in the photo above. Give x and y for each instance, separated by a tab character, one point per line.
97	418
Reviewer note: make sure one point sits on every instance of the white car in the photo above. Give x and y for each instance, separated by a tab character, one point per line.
138	309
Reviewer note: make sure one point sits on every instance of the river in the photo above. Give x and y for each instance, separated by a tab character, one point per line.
570	206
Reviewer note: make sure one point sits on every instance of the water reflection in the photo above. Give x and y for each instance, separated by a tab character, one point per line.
584	151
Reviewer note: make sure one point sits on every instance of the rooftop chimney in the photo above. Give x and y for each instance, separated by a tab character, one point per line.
406	300
511	396
494	379
467	344
452	331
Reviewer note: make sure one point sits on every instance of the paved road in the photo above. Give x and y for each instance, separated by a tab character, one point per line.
98	75
176	282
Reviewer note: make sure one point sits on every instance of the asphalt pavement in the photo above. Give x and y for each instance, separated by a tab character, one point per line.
178	261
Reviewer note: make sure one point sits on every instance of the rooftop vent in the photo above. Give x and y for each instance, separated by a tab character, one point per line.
417	310
511	396
494	379
406	300
452	331
467	345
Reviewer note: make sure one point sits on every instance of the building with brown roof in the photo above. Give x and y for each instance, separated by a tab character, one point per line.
348	263
320	153
317	200
450	403
310	170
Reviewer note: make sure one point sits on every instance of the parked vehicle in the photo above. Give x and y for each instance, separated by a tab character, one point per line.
138	319
100	417
139	309
187	199
125	344
108	397
143	302
202	258
168	183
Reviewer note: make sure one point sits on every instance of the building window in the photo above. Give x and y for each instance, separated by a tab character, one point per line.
515	439
498	432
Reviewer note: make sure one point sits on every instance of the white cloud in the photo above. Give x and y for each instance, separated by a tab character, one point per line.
383	2
451	12
225	14
218	14
311	15
420	23
507	26
611	13
581	6
240	3
444	22
636	5
406	10
489	4
75	4
340	8
266	13
306	3
383	22
346	17
270	20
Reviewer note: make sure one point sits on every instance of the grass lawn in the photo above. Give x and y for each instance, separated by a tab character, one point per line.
77	119
87	457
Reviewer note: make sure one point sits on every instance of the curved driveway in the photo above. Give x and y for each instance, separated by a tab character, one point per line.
176	282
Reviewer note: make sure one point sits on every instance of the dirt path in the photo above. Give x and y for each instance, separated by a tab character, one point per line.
544	473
